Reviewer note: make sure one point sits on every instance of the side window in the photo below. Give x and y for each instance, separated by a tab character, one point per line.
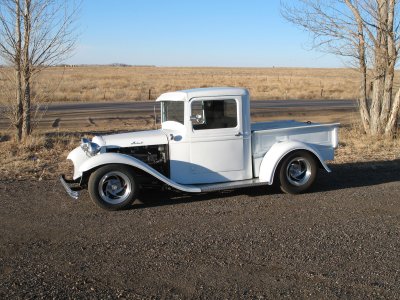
214	114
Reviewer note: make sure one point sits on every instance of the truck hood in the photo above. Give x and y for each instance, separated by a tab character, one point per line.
132	139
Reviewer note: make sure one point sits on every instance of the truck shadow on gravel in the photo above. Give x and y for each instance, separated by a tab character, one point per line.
360	174
343	176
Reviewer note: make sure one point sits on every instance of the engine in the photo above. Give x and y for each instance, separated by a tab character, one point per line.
155	156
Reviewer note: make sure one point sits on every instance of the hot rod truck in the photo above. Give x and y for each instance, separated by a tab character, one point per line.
206	143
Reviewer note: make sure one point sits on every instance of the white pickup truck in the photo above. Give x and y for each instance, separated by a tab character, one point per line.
206	143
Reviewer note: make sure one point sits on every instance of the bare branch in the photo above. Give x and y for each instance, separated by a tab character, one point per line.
367	33
35	34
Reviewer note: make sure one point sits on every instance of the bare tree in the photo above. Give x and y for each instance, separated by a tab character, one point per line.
34	35
10	52
366	32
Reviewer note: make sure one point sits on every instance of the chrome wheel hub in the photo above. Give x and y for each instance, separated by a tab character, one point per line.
114	187
298	171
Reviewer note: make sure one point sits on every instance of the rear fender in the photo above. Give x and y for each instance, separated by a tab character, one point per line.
277	152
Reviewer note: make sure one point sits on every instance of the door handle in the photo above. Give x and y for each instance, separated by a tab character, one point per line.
238	134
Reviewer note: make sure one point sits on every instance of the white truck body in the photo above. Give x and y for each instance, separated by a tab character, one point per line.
207	142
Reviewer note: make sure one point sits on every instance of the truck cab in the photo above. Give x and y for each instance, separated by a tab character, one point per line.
209	135
206	143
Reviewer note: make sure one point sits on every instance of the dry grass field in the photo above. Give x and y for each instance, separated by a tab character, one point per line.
107	83
43	155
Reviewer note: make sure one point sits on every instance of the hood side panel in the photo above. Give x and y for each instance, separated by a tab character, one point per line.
133	139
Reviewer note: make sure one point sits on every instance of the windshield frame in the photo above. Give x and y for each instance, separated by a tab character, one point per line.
173	111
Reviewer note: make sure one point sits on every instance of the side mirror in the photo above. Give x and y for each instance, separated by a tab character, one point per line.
198	118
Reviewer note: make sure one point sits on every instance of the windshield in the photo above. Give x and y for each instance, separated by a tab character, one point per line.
172	111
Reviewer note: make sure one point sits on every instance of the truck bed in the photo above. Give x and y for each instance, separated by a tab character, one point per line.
322	137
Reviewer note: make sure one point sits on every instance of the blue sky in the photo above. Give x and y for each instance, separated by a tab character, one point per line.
193	33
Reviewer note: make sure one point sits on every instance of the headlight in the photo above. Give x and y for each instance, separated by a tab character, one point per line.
89	147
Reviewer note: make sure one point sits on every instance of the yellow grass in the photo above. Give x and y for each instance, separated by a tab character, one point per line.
43	155
354	146
105	83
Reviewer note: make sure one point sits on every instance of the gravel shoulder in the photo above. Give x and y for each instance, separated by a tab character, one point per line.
342	240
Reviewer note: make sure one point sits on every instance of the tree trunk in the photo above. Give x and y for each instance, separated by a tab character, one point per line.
391	62
27	129
394	114
376	105
20	110
387	97
380	67
18	82
363	100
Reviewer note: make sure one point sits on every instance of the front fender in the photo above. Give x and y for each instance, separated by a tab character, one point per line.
277	152
117	158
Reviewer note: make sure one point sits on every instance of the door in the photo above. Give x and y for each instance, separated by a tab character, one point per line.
216	141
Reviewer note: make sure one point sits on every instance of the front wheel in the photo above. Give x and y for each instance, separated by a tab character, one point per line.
297	172
112	187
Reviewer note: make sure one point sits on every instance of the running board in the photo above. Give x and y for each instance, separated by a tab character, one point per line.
212	187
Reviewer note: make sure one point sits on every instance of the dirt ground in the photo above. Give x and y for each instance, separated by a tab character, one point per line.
341	240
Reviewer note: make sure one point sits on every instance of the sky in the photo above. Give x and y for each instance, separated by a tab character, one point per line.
224	33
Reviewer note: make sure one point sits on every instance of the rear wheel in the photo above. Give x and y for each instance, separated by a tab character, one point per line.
113	187
297	172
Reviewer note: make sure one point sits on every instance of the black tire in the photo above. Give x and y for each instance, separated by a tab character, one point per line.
113	187
297	172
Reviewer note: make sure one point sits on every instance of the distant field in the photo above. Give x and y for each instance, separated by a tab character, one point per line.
61	84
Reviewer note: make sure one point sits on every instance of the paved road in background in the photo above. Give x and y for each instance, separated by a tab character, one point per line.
71	115
259	104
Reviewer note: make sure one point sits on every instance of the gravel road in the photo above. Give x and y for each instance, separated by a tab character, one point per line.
342	240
